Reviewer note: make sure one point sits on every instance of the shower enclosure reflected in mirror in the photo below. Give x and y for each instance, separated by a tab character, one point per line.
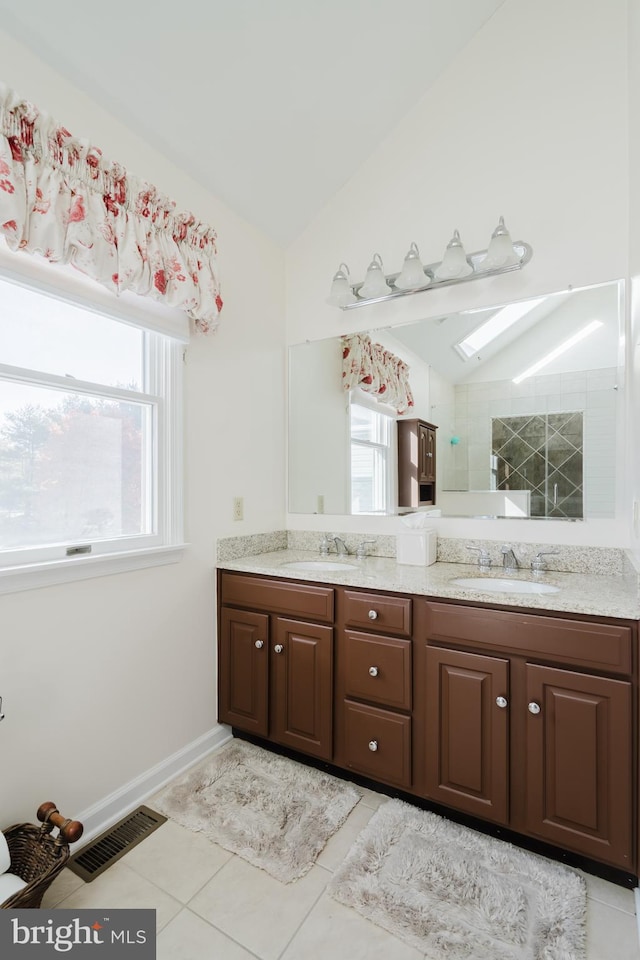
526	397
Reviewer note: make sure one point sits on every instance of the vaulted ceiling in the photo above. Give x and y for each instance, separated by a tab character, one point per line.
273	105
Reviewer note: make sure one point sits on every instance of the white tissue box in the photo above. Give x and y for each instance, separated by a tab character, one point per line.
417	546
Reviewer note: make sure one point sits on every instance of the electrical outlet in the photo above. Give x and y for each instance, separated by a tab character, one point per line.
320	508
238	508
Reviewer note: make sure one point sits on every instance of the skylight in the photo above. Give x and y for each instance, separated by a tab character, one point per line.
560	349
495	325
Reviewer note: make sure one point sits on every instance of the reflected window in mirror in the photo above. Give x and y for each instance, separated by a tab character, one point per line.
370	457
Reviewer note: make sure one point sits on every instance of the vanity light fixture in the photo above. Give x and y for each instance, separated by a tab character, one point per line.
503	255
341	292
500	252
375	283
454	262
412	275
560	349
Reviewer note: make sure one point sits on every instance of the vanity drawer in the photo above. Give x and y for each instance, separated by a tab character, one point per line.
601	646
378	743
371	611
297	600
377	669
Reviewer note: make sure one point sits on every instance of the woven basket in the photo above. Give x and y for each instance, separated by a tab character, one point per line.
36	856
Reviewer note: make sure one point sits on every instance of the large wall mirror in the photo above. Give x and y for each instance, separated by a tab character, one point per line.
526	397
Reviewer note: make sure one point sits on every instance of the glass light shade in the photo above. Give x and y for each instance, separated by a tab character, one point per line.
375	283
412	275
341	293
454	263
500	252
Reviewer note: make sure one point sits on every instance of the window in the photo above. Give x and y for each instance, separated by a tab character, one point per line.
498	323
89	462
370	459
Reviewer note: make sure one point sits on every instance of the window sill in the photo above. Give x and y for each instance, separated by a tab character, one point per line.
34	575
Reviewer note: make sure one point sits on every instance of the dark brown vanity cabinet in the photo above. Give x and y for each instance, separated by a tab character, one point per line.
416	463
374	686
302	687
243	674
467	732
520	718
545	749
579	762
275	676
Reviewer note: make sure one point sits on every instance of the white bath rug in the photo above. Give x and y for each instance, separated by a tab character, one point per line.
458	895
272	811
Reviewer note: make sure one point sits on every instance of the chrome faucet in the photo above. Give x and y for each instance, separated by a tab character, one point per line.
361	552
341	547
325	544
484	560
509	559
538	565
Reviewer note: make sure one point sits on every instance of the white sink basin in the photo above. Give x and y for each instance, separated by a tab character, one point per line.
336	565
496	585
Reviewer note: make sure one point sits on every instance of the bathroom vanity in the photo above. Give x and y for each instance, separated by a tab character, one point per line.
518	709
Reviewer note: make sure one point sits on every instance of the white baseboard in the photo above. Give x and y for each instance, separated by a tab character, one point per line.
116	805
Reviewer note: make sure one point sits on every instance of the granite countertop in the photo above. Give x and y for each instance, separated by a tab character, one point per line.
586	593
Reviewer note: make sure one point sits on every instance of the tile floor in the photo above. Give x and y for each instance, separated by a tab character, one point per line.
211	905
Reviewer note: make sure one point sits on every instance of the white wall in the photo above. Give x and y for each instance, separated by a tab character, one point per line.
443	415
318	429
633	488
529	122
104	678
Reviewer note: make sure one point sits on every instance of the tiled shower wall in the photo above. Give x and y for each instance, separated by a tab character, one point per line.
593	392
543	454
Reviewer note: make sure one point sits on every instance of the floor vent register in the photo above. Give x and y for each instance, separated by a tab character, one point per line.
98	855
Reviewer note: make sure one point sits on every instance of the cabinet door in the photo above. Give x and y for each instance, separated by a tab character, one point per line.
302	687
243	670
467	732
579	762
427	453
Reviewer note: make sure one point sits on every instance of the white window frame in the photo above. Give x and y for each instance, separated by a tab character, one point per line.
361	399
164	347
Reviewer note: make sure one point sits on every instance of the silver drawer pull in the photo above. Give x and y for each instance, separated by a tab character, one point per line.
373	615
501	702
278	648
373	745
259	644
373	671
534	707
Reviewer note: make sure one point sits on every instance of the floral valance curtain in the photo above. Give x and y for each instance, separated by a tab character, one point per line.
370	367
61	198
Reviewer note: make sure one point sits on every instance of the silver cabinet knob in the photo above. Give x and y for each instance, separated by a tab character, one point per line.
278	648
534	707
373	745
373	671
259	644
501	702
373	615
